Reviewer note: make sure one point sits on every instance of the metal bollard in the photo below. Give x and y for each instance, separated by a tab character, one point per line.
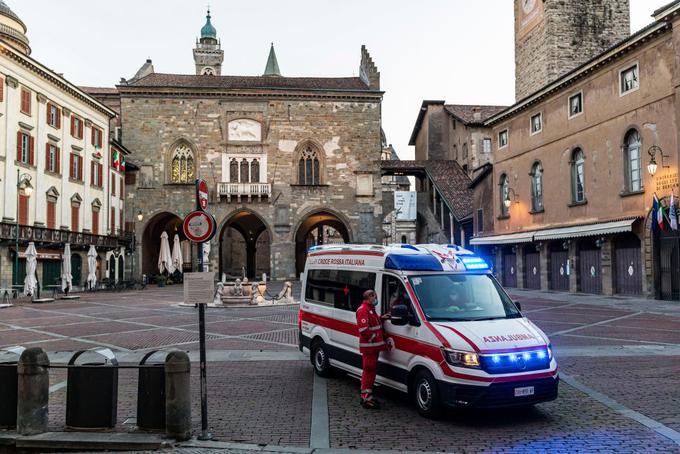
33	392
178	396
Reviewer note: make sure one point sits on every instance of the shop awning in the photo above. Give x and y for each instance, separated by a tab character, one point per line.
580	231
513	238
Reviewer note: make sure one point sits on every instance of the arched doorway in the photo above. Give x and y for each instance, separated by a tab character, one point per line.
318	228
151	239
245	246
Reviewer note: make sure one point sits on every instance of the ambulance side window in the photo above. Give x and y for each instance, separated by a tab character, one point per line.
394	293
341	289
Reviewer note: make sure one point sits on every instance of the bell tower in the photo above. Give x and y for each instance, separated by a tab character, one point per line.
552	37
208	54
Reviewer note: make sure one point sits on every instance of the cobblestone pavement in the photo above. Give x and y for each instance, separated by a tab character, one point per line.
620	359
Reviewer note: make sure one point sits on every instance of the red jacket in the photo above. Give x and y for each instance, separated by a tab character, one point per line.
369	325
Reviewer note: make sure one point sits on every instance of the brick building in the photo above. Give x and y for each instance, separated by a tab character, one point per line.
57	178
291	161
567	203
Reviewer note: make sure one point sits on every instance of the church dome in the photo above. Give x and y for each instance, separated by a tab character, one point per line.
208	31
12	29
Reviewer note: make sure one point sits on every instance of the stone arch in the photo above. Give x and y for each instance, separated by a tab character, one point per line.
151	238
245	240
181	162
652	254
309	163
312	229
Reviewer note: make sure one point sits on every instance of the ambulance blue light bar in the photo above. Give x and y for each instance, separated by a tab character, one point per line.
473	263
412	263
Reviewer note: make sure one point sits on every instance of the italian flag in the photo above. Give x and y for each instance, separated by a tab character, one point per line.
122	164
116	160
660	211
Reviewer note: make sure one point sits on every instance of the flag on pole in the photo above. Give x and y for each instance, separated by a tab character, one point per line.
122	163
673	214
660	211
116	160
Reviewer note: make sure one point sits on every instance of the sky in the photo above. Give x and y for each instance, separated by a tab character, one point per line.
460	51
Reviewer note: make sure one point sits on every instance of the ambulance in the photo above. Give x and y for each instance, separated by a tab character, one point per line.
457	338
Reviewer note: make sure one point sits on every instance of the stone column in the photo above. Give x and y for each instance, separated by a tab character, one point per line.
33	392
607	265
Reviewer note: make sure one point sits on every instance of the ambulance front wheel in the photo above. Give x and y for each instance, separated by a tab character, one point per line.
425	393
321	360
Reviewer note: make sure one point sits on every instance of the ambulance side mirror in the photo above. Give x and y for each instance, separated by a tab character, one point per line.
519	306
399	315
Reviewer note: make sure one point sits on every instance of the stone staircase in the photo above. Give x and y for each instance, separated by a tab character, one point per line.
429	231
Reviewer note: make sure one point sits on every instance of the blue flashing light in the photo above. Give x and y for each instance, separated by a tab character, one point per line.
412	263
496	359
540	354
526	356
474	263
312	248
409	246
512	358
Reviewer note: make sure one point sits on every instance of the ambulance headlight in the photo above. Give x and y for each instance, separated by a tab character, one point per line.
550	352
460	358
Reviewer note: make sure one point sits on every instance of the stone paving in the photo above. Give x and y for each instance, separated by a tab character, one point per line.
261	388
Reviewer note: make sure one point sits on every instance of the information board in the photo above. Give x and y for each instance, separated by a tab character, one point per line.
199	288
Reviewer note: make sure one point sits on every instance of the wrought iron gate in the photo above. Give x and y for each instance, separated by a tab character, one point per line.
669	265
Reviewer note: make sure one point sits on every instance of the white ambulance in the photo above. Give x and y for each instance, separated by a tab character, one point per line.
458	338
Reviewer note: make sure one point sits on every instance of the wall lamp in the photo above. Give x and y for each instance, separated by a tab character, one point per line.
507	202
140	216
652	166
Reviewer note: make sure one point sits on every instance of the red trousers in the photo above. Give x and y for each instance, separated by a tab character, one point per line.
370	368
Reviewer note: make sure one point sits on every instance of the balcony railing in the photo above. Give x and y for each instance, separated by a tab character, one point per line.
42	235
240	190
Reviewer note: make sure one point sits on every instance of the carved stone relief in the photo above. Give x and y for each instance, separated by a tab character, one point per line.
245	130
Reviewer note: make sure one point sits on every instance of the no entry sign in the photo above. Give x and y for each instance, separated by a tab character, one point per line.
199	226
202	194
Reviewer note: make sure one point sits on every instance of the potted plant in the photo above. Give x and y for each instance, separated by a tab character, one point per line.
160	280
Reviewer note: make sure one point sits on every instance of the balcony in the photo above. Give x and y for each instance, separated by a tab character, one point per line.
243	190
44	236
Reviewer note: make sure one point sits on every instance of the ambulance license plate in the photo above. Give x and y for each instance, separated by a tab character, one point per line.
525	391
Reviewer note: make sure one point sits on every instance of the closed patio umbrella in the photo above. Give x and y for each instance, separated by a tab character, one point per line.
66	276
31	282
92	267
177	259
165	256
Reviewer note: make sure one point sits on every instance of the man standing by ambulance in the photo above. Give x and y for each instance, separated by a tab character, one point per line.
371	343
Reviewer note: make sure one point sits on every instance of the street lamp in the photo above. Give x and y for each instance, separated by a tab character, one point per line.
652	166
23	184
140	217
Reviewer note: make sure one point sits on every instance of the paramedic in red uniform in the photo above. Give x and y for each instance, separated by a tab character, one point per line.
371	343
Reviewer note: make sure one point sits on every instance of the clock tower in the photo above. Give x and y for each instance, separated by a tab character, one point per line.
552	37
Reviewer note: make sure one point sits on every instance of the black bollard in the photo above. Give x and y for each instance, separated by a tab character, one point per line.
178	396
33	392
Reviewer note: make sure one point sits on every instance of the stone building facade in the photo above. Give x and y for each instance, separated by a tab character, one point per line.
576	167
55	169
291	162
555	36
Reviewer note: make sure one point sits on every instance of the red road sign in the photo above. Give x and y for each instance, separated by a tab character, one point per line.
202	194
199	226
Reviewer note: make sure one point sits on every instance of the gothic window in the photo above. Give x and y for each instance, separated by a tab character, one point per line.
255	171
309	167
244	171
632	145
578	187
537	187
182	165
233	171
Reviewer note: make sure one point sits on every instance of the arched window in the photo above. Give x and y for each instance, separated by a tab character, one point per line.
537	187
578	185
309	167
233	171
255	171
182	165
504	186
632	146
244	171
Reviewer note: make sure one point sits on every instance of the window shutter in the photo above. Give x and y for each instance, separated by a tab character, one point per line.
93	135
73	126
80	168
49	109
93	181
31	149
58	118
47	156
57	165
99	170
19	137
72	169
2	90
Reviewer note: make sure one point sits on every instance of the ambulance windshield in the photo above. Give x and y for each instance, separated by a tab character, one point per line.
462	297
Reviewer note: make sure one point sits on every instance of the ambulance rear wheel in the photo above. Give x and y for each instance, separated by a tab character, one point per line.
426	395
321	359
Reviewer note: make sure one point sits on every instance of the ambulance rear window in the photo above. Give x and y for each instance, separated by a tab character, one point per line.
341	289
